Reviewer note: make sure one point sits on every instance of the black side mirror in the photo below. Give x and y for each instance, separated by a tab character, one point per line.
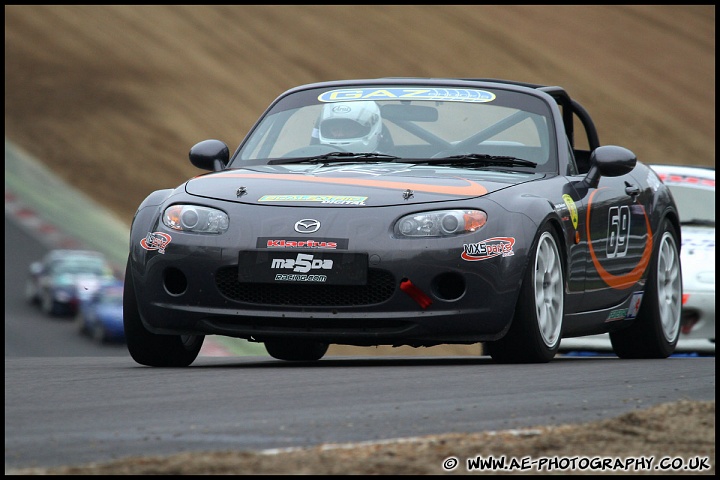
211	155
609	161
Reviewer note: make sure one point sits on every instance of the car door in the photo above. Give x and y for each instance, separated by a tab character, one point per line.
619	242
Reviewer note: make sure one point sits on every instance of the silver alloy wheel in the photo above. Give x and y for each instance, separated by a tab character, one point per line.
548	290
669	287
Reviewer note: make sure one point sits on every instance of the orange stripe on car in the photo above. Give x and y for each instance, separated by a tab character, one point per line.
629	279
472	189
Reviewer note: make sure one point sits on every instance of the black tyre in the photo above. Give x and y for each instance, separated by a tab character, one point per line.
151	349
536	329
296	350
655	331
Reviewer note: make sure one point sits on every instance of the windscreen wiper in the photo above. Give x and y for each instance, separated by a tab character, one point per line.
481	159
335	157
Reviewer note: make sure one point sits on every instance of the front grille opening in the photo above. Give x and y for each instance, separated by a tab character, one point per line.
449	286
175	281
379	288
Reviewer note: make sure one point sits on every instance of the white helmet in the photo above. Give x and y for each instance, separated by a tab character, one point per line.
352	126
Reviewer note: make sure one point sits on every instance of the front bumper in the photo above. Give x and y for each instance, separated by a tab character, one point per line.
195	290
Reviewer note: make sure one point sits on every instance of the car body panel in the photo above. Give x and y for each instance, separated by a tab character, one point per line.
363	185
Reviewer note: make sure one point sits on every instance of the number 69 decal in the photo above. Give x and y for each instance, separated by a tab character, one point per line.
618	235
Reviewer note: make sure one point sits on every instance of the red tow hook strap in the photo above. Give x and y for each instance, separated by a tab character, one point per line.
415	293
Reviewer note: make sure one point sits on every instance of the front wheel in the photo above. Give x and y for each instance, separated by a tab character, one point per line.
655	331
151	349
296	350
536	329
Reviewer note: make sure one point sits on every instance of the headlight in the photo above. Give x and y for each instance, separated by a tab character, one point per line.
193	218
440	223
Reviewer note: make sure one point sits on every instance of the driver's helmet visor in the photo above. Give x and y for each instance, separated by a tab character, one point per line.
342	129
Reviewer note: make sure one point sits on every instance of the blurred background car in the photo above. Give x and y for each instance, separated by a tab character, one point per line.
694	191
693	188
101	315
63	278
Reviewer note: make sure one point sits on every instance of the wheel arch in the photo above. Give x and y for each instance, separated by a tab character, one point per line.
674	219
555	224
545	210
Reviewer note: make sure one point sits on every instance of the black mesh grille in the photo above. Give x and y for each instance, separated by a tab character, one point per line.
380	287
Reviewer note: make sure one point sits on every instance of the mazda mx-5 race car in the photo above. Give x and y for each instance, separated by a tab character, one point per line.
409	211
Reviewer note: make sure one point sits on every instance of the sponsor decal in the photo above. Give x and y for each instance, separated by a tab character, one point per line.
572	209
156	241
628	279
617	314
634	305
303	263
488	248
323	199
326	266
284	277
394	93
292	242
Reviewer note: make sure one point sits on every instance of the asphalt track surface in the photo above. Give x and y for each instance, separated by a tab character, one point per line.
74	410
69	401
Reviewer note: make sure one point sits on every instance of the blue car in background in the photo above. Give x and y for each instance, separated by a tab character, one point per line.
101	315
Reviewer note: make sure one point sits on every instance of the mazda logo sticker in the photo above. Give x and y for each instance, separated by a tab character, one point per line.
307	225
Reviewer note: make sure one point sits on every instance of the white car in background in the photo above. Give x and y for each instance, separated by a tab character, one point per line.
694	191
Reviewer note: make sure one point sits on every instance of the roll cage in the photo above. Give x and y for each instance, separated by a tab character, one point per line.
570	110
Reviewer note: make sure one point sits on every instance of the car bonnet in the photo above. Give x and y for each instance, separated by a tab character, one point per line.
351	185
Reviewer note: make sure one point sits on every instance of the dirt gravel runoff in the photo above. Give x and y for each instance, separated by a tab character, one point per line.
651	441
111	98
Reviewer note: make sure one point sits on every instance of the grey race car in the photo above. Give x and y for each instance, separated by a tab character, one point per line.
408	211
